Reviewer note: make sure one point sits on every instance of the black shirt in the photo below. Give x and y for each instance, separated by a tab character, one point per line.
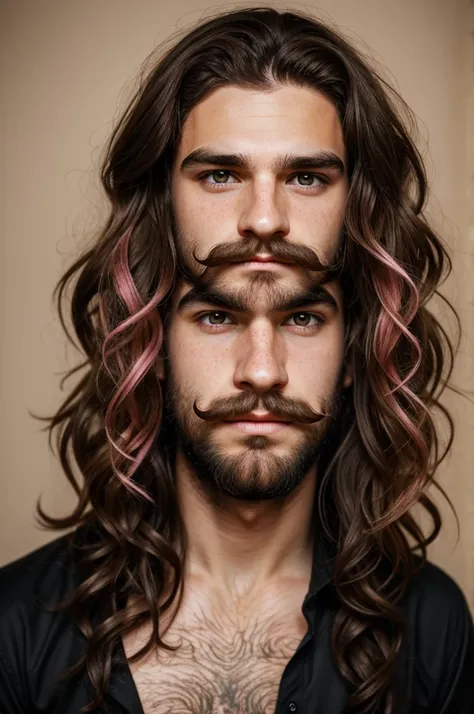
435	665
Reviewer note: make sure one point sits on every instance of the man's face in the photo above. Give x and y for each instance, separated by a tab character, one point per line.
254	340
260	168
239	351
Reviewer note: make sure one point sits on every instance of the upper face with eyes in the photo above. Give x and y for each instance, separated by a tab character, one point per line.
262	165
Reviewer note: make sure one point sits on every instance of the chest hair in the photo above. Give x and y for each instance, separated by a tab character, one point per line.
229	661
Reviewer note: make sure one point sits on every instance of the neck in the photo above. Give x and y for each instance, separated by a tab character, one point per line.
239	547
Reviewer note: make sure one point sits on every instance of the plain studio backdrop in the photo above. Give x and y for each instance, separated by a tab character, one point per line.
66	71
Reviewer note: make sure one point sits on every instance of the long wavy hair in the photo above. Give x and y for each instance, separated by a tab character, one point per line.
111	437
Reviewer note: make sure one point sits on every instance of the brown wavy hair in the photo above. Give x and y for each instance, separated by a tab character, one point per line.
386	446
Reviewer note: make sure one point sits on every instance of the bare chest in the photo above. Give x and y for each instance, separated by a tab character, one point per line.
224	665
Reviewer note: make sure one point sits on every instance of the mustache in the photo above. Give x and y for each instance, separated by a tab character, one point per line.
274	402
277	247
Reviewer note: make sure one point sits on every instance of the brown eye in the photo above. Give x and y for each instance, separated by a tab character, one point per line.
216	318
302	319
220	176
309	180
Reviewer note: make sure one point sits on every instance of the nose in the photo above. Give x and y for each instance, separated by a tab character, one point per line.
261	360
264	212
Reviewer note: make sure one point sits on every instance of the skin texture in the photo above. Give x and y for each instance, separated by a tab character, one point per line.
229	661
237	543
240	489
260	201
246	499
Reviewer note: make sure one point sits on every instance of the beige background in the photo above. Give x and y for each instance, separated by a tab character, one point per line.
66	68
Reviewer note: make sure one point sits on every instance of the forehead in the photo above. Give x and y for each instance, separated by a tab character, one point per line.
264	293
263	122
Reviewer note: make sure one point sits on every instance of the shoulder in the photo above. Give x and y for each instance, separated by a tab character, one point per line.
28	630
44	571
431	589
440	640
436	604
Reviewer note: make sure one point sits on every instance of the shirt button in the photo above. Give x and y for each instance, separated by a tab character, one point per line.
292	707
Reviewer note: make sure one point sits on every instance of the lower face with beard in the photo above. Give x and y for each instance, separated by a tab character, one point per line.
255	474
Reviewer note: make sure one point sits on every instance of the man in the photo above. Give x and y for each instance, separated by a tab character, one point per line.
254	424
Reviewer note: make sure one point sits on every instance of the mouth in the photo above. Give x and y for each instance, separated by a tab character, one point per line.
263	262
258	423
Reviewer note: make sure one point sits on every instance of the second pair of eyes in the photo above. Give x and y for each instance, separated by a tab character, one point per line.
217	319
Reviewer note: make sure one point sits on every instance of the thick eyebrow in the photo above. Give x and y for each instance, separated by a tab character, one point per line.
318	295
319	160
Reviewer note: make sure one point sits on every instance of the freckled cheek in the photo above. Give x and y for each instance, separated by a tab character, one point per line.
202	219
313	370
318	224
201	363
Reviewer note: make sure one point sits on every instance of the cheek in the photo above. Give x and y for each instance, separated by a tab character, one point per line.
194	230
199	364
319	224
314	369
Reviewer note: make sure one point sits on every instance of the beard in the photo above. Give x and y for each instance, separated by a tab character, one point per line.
256	473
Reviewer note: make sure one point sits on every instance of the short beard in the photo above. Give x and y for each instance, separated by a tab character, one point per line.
255	474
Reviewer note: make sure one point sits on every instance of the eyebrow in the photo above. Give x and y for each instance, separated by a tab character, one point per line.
319	160
197	296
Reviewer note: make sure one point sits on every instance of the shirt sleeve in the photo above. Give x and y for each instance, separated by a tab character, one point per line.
10	699
36	645
447	646
13	696
456	693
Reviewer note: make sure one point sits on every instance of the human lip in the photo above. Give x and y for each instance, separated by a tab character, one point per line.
262	262
258	424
